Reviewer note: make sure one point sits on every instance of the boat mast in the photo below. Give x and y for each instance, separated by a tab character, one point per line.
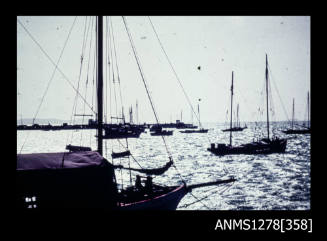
231	112
100	82
308	111
199	113
293	115
267	95
238	124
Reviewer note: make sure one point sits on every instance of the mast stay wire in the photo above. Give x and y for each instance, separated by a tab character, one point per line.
185	94
111	65
87	74
273	81
180	84
57	67
54	71
149	96
144	81
85	35
116	60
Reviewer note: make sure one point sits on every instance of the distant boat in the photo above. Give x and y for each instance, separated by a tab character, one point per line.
238	125
121	131
193	130
263	146
158	131
307	129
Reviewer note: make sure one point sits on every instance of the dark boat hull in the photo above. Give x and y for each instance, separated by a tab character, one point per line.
235	129
120	154
195	131
162	133
304	131
274	146
168	201
122	135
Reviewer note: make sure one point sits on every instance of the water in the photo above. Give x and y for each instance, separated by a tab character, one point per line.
264	182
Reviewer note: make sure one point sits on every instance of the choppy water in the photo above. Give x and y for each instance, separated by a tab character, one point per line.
264	182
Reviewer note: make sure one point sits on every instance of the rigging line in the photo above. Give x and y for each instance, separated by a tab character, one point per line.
144	82
72	118
54	71
45	53
130	154
113	72
129	165
56	67
87	75
180	84
149	97
81	66
93	74
88	65
108	69
272	78
113	41
199	200
106	76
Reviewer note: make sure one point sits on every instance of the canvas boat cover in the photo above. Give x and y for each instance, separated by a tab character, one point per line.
85	179
37	161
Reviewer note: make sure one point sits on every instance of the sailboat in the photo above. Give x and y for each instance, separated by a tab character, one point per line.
83	178
263	146
158	131
201	129
307	129
237	127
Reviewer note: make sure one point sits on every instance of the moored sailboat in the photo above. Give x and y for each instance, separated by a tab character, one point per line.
263	146
307	129
237	127
193	130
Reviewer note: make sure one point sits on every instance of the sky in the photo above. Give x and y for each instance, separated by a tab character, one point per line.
203	50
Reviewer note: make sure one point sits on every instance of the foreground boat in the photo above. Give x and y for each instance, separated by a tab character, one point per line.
85	179
263	146
82	178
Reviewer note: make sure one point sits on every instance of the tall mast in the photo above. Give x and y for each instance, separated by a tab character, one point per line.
308	111
293	115
231	111
100	82
238	118
137	113
267	95
199	113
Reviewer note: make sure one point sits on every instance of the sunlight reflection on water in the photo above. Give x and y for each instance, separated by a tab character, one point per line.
264	182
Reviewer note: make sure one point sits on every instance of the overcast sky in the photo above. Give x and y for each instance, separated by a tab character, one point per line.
218	44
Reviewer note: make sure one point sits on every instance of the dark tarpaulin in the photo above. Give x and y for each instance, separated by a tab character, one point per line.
55	160
86	180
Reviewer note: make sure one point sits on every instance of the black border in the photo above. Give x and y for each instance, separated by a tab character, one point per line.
183	222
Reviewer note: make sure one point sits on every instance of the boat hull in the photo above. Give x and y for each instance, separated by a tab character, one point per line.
234	129
195	131
274	146
306	131
162	133
168	201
